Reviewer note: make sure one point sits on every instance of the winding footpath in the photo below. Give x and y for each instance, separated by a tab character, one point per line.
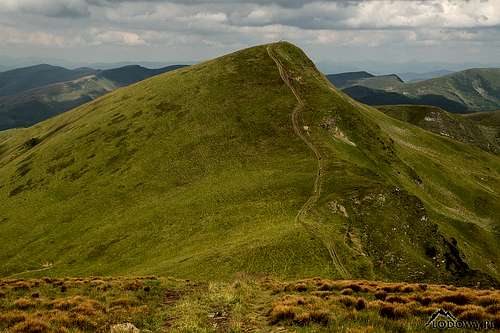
313	199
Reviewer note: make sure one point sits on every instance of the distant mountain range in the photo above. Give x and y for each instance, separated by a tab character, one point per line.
411	76
465	91
32	94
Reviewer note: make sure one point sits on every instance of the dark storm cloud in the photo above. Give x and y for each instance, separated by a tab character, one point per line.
48	8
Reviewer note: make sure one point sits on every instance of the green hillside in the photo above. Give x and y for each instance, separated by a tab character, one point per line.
478	89
489	119
22	79
469	90
457	127
383	82
253	163
28	107
348	79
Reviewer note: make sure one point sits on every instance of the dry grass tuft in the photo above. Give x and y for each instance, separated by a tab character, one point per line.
486	301
31	325
474	314
493	309
12	317
24	303
361	304
394	311
458	299
396	299
346	291
348	301
381	295
282	312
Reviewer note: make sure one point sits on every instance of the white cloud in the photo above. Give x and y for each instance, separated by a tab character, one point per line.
225	25
115	37
13	36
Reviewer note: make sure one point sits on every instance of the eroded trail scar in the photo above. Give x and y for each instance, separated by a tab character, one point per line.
317	182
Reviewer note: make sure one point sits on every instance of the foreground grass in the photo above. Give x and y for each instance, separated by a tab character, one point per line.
245	304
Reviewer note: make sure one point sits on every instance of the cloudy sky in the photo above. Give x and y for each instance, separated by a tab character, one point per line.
332	32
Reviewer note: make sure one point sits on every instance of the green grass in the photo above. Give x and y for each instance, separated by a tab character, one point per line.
476	88
198	173
463	128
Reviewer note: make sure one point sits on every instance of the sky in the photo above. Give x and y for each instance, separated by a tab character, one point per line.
358	34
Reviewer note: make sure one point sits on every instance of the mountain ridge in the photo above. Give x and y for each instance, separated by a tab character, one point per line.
199	173
30	106
476	89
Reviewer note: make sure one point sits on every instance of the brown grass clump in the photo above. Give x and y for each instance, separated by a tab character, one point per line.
473	314
496	321
408	289
31	325
326	286
355	287
83	322
375	305
360	304
392	311
12	317
393	288
424	310
299	286
22	285
486	301
493	309
459	309
425	301
422	287
348	301
88	308
66	303
380	295
293	300
135	285
346	291
396	299
282	312
24	303
458	299
319	316
448	306
59	317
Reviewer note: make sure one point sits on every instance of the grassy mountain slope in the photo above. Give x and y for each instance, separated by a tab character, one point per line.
469	90
457	127
382	97
478	89
489	119
19	80
410	76
32	106
384	82
123	76
250	162
343	80
364	79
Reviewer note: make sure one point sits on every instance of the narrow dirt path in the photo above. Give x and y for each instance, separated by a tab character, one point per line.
29	271
313	199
